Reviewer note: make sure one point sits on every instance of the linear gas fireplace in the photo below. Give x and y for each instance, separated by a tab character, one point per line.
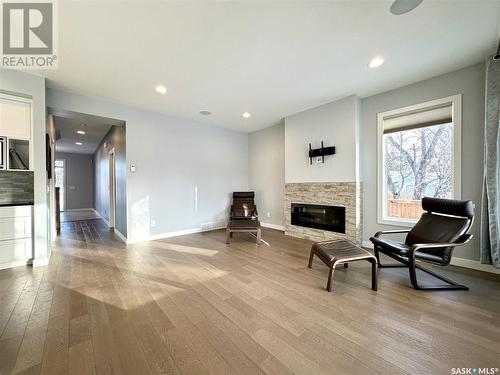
330	218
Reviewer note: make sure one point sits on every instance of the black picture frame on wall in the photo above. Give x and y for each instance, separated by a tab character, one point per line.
48	157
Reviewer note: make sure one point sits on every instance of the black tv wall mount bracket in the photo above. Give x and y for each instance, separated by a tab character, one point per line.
320	152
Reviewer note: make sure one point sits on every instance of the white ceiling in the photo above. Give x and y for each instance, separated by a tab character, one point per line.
271	59
95	130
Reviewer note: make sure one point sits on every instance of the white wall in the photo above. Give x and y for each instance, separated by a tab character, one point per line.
79	180
173	157
266	154
335	124
26	84
470	83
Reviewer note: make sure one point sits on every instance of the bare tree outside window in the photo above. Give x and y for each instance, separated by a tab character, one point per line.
418	163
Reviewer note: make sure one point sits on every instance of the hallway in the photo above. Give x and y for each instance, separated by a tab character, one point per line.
88	214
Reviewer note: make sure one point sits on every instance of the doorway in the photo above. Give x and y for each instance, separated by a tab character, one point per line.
90	153
60	181
112	188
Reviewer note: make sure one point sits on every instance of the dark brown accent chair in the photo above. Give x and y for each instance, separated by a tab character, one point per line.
440	229
244	216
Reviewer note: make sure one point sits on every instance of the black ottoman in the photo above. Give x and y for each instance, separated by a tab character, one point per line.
341	251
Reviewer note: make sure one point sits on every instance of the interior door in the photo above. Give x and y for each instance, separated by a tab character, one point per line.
112	189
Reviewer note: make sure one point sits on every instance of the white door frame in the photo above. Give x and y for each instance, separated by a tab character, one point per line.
112	187
65	182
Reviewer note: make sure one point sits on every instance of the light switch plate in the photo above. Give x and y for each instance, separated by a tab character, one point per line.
132	167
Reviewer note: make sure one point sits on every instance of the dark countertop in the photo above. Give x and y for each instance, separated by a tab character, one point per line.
16	204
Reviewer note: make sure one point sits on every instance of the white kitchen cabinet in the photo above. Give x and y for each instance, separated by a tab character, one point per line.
15	236
15	117
16	128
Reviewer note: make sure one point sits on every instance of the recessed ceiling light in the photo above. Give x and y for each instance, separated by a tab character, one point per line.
78	143
205	113
375	62
399	7
80	132
246	114
161	89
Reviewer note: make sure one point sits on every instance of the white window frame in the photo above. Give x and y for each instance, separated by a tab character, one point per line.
456	104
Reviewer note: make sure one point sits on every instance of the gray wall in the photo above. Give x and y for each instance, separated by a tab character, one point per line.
174	158
470	83
336	125
27	84
79	180
116	138
266	149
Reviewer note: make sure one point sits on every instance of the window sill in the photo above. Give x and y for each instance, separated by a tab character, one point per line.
397	223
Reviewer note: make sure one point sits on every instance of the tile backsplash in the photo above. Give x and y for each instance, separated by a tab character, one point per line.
16	187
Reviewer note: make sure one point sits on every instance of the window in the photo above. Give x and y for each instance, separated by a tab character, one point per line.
418	156
60	171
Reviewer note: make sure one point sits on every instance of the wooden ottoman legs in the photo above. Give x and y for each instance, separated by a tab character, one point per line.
332	265
373	261
311	256
330	277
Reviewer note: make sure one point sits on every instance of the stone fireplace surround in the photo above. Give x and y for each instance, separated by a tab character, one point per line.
344	194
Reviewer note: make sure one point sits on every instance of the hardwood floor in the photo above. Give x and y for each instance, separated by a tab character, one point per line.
84	214
194	305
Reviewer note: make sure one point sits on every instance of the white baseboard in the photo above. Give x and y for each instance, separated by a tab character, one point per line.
40	262
459	262
120	235
17	263
101	217
170	234
474	264
273	226
79	209
367	244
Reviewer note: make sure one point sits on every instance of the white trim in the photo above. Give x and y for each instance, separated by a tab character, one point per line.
65	187
170	234
273	226
459	262
120	236
17	263
474	264
40	262
456	102
101	217
112	187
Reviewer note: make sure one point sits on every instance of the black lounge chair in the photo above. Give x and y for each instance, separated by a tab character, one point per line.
440	229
